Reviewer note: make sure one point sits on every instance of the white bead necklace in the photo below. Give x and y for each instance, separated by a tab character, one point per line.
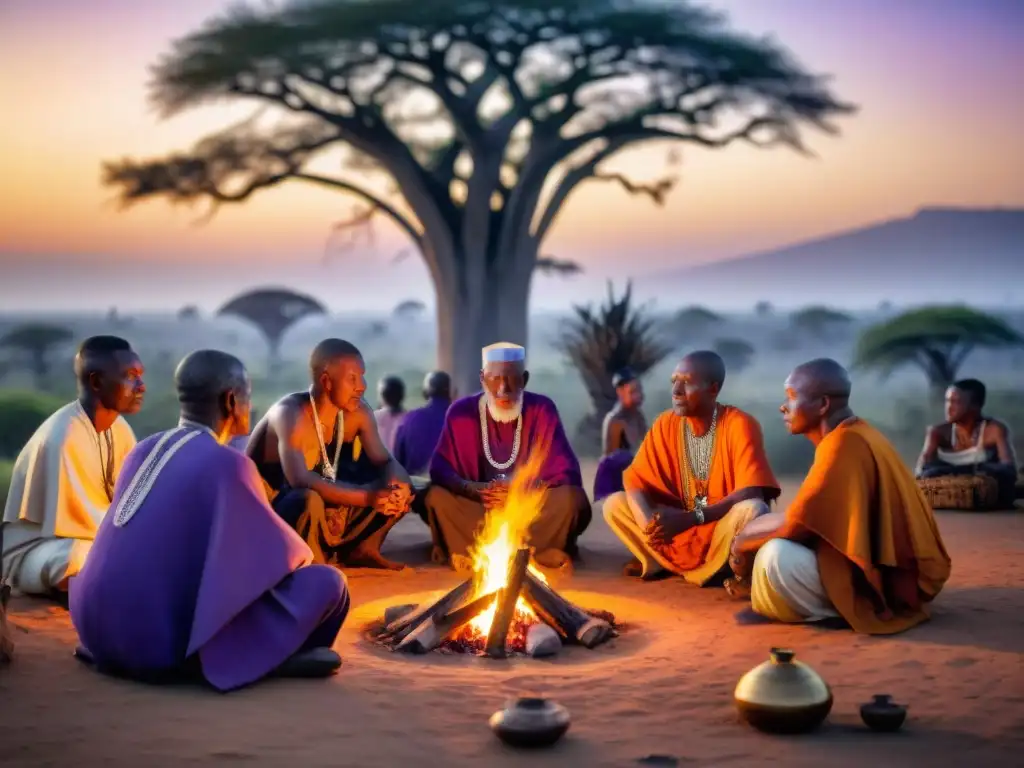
330	469
487	443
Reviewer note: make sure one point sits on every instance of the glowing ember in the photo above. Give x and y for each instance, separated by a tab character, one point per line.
505	531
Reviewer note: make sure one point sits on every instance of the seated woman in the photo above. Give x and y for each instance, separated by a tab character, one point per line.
969	443
623	430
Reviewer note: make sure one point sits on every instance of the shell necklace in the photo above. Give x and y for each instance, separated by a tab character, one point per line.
487	443
330	469
698	453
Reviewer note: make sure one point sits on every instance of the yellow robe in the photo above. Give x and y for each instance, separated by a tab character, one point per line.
57	494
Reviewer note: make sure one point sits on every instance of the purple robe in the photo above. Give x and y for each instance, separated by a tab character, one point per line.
204	569
460	455
418	434
608	478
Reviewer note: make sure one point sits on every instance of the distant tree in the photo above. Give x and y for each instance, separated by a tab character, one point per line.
409	309
936	339
597	343
694	322
736	353
273	311
188	313
763	308
37	342
480	119
818	321
376	330
885	306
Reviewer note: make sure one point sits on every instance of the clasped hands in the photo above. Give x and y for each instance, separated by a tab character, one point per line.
492	495
665	525
394	498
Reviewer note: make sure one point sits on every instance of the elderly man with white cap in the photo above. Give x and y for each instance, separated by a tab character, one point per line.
486	437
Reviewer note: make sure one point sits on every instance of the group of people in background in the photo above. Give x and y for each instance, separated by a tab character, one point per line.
216	548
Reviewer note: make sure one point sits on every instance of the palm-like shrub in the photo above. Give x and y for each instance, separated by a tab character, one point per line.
599	342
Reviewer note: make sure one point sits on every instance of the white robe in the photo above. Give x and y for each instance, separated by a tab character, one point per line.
57	499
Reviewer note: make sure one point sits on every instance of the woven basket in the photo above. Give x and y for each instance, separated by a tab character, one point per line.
968	492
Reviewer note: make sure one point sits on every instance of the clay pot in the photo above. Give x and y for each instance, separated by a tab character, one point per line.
530	722
782	695
883	714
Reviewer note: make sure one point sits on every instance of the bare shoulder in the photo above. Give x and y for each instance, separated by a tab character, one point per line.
936	431
363	416
284	416
998	428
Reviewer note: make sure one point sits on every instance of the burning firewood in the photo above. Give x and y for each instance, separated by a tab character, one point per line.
508	596
570	621
431	633
401	627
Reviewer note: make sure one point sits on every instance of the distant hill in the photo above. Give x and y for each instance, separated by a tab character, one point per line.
938	254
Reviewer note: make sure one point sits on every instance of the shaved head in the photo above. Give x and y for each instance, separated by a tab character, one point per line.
202	377
437	384
696	382
213	389
817	393
337	370
823	377
110	372
708	364
330	351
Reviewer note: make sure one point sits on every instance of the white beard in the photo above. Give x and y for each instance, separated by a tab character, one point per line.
504	415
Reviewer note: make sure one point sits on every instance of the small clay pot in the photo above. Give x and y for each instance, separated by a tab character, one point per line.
883	714
530	722
782	695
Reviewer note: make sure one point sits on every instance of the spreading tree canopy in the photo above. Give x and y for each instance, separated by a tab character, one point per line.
37	341
273	311
482	118
936	339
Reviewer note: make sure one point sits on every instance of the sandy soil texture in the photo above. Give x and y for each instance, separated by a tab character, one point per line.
663	688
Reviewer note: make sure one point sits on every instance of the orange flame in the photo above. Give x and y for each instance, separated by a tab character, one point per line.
505	531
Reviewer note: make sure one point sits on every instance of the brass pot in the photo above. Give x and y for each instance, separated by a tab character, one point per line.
782	695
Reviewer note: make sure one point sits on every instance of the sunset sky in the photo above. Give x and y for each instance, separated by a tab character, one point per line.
940	123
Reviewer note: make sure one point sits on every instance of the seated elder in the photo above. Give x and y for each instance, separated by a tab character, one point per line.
64	477
701	474
192	572
622	432
859	540
485	437
968	442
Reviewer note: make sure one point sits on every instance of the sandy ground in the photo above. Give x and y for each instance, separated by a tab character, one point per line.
663	688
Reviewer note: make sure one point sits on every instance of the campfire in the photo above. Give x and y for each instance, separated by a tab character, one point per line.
507	605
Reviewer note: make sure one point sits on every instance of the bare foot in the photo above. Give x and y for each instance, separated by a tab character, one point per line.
371	558
737	589
635	570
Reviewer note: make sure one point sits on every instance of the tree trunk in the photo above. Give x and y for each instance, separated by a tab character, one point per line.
484	309
40	369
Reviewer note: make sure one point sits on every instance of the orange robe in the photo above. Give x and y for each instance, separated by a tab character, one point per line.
739	462
880	554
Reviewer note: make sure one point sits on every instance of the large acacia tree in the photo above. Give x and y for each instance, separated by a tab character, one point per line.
935	339
482	117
